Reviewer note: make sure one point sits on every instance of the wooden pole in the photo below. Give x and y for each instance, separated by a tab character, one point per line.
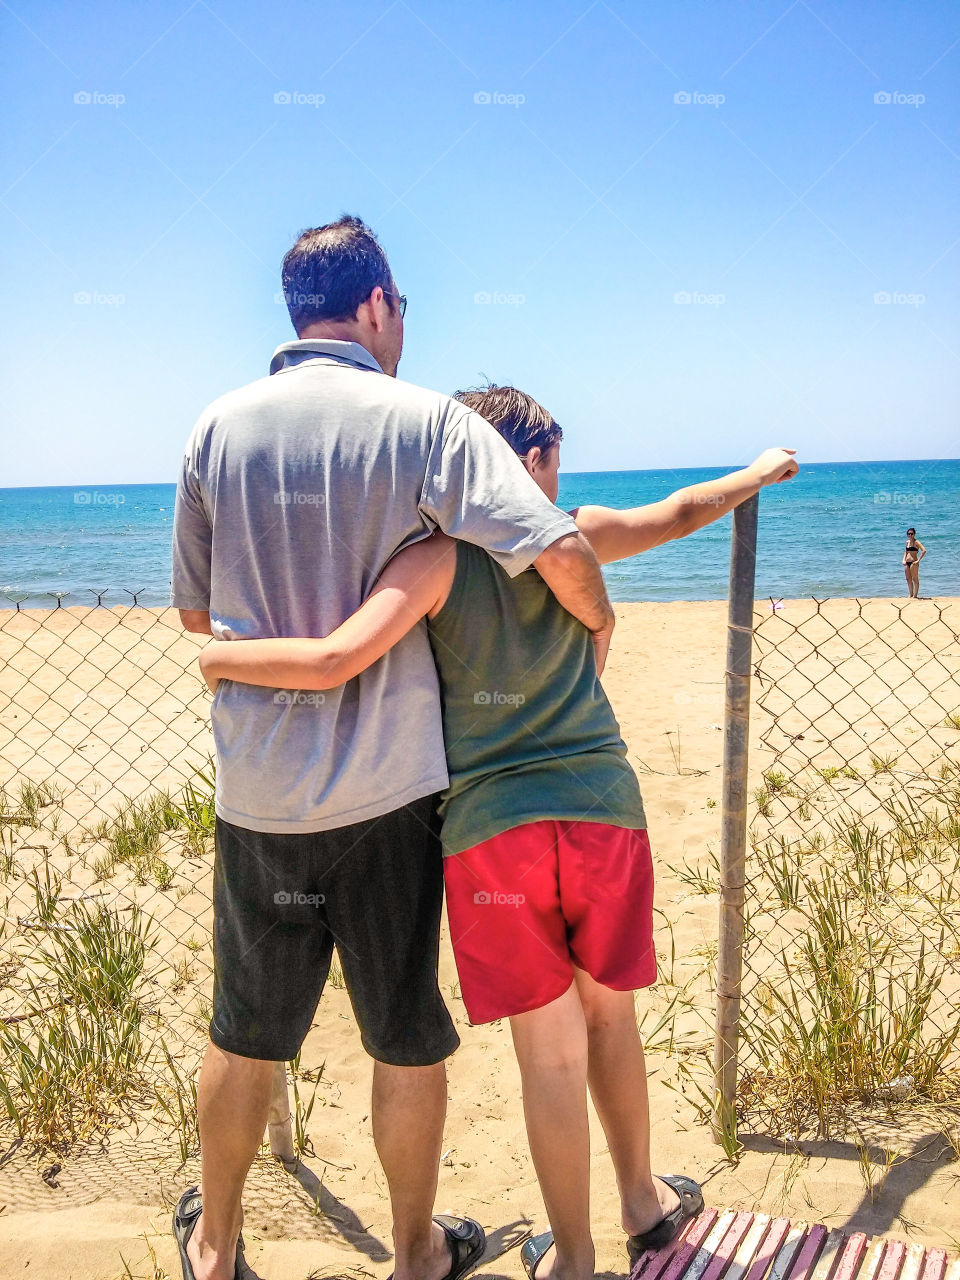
279	1122
733	841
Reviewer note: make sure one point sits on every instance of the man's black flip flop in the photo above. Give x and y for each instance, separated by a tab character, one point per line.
691	1203
467	1241
185	1218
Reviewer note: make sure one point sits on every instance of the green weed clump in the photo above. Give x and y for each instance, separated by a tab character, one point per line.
72	1059
853	941
134	836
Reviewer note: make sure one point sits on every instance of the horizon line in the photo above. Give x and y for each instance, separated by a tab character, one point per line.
611	471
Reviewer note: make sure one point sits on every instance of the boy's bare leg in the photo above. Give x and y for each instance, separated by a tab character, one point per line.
233	1098
618	1084
551	1045
409	1108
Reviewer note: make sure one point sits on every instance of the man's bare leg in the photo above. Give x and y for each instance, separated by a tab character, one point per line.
551	1045
409	1109
233	1098
618	1084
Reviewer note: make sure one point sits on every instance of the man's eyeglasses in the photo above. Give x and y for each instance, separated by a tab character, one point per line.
401	301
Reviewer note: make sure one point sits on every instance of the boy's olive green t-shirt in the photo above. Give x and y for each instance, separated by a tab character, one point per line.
528	730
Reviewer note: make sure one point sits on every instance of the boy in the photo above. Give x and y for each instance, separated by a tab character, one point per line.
547	866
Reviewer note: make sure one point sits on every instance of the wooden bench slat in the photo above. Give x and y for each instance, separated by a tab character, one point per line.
854	1248
803	1267
872	1263
701	1259
727	1248
828	1255
935	1264
749	1247
796	1234
893	1257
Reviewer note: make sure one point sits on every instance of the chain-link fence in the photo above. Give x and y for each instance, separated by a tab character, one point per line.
850	998
850	994
106	814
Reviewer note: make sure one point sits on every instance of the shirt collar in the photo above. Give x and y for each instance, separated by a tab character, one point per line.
290	354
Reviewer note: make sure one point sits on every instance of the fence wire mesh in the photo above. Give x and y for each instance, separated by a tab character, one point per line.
851	982
106	818
851	959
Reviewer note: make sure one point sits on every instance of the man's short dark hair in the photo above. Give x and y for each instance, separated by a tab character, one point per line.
331	270
522	422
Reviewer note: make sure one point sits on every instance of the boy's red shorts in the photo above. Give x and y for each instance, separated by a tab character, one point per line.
529	905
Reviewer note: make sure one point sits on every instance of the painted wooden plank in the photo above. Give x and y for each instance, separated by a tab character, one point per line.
773	1246
934	1265
806	1260
701	1259
788	1251
953	1270
828	1255
657	1264
727	1247
871	1263
893	1257
912	1262
853	1250
651	1263
748	1247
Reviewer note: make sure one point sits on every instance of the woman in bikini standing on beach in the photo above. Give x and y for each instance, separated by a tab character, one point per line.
912	555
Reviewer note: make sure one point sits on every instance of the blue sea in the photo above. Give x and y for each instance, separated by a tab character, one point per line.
837	529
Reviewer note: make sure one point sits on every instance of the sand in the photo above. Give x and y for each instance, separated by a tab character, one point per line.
665	679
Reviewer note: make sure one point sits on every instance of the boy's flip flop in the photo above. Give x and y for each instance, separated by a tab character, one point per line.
534	1251
185	1218
467	1241
691	1203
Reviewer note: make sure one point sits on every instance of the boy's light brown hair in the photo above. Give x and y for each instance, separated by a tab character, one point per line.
522	422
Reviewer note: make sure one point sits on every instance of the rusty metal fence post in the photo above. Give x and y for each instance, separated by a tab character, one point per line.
743	560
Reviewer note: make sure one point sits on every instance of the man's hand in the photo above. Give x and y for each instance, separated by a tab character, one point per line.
571	570
774	466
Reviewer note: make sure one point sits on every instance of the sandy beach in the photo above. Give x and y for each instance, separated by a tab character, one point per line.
143	722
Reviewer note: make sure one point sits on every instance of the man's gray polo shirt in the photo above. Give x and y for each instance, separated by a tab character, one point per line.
295	491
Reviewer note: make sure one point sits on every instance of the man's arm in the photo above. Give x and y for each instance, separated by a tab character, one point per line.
196	621
415	583
571	570
192	546
477	489
614	535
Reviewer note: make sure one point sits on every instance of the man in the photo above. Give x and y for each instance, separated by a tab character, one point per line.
295	492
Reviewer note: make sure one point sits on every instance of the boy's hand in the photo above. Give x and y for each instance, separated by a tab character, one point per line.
601	644
774	466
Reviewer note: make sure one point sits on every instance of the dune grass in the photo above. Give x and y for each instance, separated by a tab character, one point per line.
853	938
133	837
72	1058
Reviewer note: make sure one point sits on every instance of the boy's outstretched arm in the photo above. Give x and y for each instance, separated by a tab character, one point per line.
614	534
415	583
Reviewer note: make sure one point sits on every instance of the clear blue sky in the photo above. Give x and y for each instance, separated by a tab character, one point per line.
585	209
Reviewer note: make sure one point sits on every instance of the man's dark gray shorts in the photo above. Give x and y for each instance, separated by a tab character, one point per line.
282	902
